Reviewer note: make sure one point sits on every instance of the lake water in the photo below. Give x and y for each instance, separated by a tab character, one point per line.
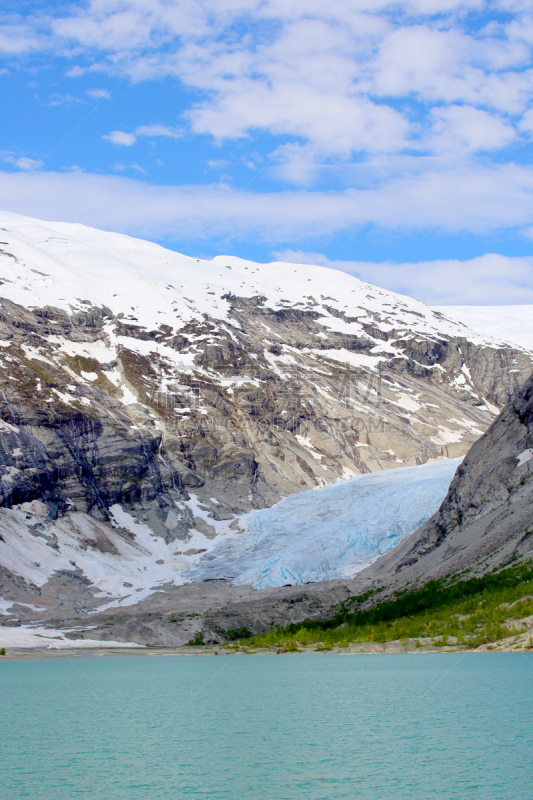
291	727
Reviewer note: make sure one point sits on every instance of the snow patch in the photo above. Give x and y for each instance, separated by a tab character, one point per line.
524	457
51	639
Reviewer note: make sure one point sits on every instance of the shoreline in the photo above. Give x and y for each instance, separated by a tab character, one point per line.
187	651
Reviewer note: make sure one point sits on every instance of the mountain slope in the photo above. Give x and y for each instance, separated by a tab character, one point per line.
487	516
253	380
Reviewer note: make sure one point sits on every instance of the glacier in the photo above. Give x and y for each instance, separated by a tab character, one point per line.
332	532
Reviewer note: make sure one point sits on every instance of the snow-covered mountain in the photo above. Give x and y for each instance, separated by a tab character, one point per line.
149	401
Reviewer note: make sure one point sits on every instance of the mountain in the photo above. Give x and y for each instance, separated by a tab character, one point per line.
243	381
149	401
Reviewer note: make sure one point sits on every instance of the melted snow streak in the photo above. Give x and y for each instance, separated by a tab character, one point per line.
332	532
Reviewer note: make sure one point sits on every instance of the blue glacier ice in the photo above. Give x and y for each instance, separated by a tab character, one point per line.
332	532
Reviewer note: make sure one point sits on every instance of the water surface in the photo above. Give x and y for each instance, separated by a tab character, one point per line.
318	726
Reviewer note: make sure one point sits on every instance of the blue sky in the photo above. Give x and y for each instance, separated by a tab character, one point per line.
391	140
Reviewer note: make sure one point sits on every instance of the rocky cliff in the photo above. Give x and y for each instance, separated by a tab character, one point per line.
486	518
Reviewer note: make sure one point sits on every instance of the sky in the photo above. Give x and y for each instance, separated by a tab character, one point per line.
392	140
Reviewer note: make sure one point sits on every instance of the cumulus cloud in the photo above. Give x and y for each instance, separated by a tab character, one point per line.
412	106
340	77
470	128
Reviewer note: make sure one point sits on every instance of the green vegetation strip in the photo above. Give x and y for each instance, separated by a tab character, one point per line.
473	611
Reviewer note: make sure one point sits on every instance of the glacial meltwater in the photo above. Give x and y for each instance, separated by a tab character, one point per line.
289	727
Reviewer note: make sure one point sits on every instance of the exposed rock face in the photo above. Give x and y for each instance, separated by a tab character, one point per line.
189	403
249	430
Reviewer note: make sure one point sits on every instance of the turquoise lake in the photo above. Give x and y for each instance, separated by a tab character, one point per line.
291	727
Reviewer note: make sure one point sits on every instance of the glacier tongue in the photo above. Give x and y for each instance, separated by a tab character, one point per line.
332	532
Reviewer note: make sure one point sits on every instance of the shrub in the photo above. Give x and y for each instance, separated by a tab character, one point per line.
238	633
290	647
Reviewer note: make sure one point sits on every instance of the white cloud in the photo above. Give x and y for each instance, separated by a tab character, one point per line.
463	127
217	164
21	162
340	76
24	163
405	103
445	202
75	72
98	94
445	65
18	38
151	131
57	99
489	279
526	123
121	138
